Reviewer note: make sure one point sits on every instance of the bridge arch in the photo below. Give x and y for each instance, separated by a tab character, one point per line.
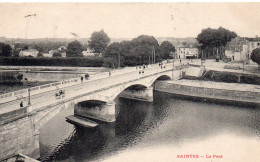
106	97
164	77
160	77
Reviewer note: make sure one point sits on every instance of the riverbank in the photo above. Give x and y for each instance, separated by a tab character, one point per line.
244	93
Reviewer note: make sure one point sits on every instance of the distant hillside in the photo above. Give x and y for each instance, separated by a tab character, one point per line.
174	41
177	41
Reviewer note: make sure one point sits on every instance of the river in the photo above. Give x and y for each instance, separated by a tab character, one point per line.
166	130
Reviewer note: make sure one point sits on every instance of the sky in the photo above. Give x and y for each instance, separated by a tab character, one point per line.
126	20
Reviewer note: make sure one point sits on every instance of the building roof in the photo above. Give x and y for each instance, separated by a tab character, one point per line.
253	39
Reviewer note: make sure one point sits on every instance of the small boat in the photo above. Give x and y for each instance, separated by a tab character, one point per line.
74	119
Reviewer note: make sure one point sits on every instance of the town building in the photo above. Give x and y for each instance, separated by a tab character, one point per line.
253	43
63	54
47	55
187	51
29	53
53	51
240	48
62	48
89	53
237	49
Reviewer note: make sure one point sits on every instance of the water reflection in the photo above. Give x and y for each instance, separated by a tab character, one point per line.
166	123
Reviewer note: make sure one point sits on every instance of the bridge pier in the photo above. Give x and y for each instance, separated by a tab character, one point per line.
96	110
142	95
18	135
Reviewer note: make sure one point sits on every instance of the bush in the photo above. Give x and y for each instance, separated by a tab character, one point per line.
255	56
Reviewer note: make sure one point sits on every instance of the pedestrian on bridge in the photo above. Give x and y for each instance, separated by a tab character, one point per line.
81	78
21	104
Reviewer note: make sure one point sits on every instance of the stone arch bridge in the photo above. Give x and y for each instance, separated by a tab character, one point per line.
93	98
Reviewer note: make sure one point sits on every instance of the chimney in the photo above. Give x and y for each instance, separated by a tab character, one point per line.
256	36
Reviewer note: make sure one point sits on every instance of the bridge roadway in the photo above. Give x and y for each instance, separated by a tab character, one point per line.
41	98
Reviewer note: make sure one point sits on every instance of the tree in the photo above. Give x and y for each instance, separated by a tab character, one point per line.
99	41
142	48
214	40
166	49
255	56
5	50
113	55
142	54
74	49
135	52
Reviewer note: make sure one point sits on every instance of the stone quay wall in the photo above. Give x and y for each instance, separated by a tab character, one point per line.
19	136
202	91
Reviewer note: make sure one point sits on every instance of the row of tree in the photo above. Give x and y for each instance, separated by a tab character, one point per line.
140	50
5	50
98	43
213	41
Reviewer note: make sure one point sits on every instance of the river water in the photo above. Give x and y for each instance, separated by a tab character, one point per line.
166	130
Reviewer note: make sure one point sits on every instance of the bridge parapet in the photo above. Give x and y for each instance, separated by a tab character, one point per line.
119	77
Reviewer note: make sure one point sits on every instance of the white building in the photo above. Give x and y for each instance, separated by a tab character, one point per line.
53	51
88	53
47	55
29	53
253	43
184	52
63	54
62	48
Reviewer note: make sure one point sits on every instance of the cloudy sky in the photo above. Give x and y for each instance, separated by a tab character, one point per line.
126	20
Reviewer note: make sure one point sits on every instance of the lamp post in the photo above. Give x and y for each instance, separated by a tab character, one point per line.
172	63
154	54
29	94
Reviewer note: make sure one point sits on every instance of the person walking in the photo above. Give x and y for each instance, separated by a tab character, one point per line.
109	73
21	104
81	78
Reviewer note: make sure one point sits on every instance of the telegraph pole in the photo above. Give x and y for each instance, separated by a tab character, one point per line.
119	60
28	17
153	53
